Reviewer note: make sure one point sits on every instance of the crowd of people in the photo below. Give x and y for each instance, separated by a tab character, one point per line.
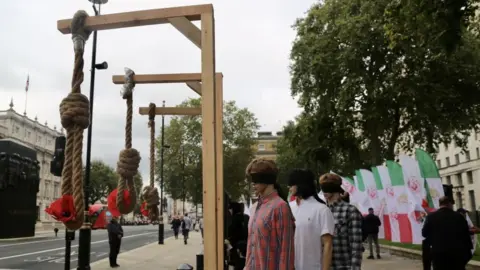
310	234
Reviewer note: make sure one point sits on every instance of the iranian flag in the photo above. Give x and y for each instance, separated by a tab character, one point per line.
348	185
397	203
429	172
361	201
375	194
419	197
382	178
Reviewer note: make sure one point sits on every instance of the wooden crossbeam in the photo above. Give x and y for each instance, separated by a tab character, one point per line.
160	78
171	111
138	18
188	29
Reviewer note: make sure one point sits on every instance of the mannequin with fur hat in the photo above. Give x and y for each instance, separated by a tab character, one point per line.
271	228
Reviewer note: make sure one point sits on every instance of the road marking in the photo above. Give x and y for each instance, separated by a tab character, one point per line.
30	242
62	248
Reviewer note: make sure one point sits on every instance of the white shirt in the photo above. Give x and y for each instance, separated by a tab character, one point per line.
312	220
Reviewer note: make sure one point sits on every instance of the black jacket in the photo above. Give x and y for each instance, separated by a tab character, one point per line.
371	224
114	231
448	234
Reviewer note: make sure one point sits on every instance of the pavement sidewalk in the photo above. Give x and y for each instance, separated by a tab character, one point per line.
160	257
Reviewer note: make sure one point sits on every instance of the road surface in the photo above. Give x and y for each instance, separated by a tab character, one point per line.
49	253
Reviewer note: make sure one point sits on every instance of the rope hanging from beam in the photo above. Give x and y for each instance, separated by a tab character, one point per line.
150	193
129	158
75	117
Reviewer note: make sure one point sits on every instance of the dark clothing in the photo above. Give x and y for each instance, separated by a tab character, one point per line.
176	226
371	224
237	235
373	240
115	234
449	237
426	255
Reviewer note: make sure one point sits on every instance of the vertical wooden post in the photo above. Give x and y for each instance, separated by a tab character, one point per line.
209	143
219	150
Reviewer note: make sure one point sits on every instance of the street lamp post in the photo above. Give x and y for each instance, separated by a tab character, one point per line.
85	234
161	226
183	178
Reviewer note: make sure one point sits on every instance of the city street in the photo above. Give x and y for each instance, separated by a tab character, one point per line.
48	253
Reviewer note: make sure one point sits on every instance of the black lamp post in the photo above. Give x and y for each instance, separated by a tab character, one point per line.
85	234
183	178
161	226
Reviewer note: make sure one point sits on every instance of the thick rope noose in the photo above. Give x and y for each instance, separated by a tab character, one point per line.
129	160
75	117
150	193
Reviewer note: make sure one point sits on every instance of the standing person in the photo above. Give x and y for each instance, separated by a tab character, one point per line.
473	229
372	225
200	225
348	236
176	223
237	235
115	234
271	229
186	225
314	224
449	237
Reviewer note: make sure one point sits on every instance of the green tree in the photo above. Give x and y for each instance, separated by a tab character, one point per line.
103	179
183	163
364	98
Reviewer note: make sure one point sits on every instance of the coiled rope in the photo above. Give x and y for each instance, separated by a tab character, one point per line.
129	158
150	193
75	117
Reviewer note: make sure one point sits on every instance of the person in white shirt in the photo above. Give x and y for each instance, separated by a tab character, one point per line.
314	223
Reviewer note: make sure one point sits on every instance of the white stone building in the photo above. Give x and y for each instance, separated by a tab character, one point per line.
41	138
462	170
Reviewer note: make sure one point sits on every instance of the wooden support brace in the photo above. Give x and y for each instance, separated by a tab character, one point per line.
171	111
138	18
195	86
188	29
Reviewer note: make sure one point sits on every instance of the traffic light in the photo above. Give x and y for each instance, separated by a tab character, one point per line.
56	165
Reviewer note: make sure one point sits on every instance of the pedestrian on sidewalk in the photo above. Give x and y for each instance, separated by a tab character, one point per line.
176	223
314	224
200	226
449	236
348	237
115	234
271	229
372	225
186	225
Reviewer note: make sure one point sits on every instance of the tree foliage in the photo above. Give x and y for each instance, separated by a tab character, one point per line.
376	77
103	180
183	162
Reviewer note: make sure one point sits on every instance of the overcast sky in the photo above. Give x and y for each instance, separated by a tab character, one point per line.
253	41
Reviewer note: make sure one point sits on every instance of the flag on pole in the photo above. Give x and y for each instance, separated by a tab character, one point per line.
398	203
375	194
429	171
28	83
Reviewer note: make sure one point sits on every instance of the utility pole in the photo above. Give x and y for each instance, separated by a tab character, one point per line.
183	177
161	226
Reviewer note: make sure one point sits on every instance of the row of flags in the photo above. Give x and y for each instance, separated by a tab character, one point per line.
400	193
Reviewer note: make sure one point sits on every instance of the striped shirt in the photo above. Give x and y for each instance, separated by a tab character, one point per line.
271	235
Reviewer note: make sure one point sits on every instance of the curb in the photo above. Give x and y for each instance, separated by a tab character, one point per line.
7	240
417	255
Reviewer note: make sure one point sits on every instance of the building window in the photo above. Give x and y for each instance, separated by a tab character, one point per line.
459	200
17	129
471	197
39	138
49	142
470	177
457	158
38	213
28	134
261	147
459	179
445	145
447	160
439	163
467	155
449	180
478	152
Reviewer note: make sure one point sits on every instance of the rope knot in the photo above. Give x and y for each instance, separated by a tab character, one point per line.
75	111
80	33
127	165
151	114
150	194
127	89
